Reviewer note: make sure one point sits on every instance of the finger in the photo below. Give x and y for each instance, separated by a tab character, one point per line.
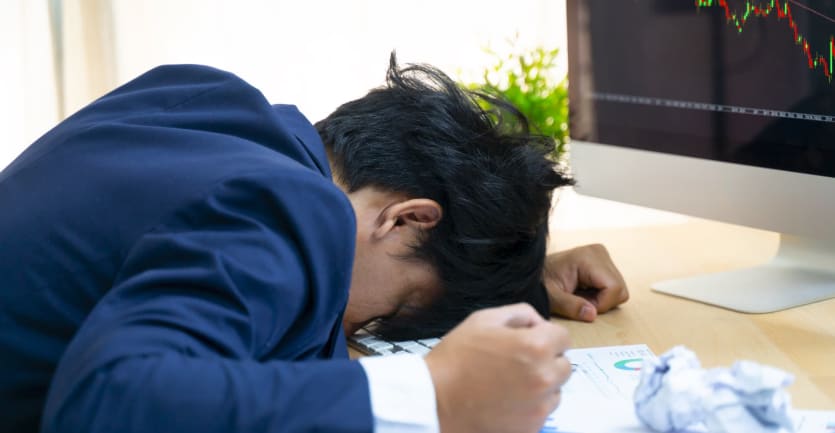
611	290
607	279
554	338
564	369
521	315
607	296
553	401
559	372
539	346
549	403
572	306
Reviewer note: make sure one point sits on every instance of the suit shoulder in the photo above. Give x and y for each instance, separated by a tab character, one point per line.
173	87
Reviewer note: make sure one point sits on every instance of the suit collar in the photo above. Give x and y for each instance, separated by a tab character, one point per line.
307	136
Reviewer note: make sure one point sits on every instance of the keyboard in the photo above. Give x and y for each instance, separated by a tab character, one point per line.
369	343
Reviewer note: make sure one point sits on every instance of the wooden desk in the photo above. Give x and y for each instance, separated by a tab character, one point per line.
799	340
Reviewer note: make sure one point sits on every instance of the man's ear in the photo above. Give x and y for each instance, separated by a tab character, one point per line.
417	213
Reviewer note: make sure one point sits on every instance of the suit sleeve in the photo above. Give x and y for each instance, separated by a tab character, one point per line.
204	328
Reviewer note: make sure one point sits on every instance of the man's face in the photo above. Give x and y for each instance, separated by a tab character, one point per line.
385	285
384	281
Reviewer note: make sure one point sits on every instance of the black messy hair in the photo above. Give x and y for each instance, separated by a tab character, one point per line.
423	135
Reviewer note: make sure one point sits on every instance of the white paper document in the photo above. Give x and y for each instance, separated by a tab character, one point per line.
598	398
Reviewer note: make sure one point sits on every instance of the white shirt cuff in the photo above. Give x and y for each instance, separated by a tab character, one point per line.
402	394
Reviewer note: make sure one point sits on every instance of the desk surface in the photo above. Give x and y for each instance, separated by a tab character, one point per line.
800	340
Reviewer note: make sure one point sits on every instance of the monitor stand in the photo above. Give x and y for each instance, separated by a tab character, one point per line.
802	272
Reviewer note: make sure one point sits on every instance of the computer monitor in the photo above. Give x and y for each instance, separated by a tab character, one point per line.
722	109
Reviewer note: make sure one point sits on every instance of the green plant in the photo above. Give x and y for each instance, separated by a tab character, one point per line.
526	78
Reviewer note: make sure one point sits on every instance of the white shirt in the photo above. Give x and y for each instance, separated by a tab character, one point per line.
402	394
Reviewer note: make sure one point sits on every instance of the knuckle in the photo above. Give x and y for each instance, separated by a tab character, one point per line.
475	315
543	380
525	306
563	337
598	248
479	315
550	377
546	343
538	347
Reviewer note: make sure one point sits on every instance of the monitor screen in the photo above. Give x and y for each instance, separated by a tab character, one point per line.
747	82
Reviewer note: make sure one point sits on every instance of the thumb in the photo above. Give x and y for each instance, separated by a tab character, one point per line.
571	306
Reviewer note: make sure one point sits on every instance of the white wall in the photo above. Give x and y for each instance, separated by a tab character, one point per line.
28	106
316	54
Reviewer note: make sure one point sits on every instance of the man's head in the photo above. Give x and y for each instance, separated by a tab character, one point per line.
452	202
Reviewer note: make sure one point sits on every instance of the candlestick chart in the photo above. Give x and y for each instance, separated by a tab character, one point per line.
818	55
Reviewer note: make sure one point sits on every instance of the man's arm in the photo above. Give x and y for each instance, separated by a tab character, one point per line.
189	336
177	393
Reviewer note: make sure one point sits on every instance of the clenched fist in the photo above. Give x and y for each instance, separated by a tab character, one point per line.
583	282
499	371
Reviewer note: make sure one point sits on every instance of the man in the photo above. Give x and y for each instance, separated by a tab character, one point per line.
176	258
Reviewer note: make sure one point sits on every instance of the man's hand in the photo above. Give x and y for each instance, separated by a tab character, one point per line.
583	282
500	370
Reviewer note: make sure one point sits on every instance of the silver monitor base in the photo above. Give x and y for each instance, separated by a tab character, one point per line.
802	272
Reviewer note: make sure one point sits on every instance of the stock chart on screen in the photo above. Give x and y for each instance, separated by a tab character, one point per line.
740	81
815	59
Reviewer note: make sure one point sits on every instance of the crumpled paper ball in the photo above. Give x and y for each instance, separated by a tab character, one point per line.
675	392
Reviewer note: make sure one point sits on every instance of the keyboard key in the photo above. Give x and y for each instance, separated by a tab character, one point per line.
415	347
380	345
369	342
430	342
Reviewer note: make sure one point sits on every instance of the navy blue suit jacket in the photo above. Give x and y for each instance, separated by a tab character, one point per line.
175	258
